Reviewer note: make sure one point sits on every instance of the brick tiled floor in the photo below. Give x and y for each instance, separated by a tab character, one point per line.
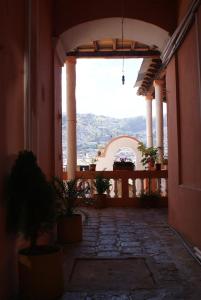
116	233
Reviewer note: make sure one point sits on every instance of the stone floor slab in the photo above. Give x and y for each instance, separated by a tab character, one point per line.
117	233
110	274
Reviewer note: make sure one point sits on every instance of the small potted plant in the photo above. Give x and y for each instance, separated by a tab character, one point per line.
149	155
102	185
123	164
69	195
30	213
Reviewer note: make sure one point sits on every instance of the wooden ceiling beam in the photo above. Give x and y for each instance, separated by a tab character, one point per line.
115	54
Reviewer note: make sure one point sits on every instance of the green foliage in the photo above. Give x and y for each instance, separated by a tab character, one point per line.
101	184
68	195
30	199
149	154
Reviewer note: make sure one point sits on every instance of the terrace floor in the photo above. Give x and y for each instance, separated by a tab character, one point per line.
130	254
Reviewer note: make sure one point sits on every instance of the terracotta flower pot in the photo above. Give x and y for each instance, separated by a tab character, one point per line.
158	166
41	273
69	229
150	166
92	167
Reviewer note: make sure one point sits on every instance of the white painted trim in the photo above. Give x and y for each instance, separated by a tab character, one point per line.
60	51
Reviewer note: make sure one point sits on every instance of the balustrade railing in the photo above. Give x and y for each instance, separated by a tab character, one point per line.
127	186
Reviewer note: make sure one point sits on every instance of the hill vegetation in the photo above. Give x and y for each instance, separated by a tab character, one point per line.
94	132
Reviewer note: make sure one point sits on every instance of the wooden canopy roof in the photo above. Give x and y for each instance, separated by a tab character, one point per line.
115	48
148	73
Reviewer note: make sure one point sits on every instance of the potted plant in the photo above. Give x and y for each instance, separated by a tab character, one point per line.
149	155
30	213
123	164
69	222
102	185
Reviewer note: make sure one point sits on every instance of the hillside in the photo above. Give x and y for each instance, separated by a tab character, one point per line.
93	132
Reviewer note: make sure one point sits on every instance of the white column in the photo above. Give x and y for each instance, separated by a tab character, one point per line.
149	133
71	117
158	85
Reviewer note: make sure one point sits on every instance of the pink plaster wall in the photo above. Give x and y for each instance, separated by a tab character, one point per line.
12	41
183	6
42	75
13	47
71	13
184	112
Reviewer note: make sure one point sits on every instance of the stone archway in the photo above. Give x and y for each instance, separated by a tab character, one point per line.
89	32
107	157
134	29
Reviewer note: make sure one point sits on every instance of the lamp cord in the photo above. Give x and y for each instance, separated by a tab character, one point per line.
122	40
122	44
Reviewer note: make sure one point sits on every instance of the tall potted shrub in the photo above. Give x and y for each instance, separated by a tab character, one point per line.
102	185
31	212
149	155
69	195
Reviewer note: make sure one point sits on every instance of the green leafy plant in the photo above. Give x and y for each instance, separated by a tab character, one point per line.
30	199
101	184
68	195
149	154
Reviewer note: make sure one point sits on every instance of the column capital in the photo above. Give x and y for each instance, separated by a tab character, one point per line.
71	60
158	82
149	96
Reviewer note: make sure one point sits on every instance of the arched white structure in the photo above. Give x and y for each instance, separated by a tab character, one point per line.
136	30
106	160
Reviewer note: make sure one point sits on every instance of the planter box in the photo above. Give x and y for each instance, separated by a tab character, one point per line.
126	165
41	273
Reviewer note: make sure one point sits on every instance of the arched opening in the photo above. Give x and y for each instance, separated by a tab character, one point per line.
110	28
119	146
102	38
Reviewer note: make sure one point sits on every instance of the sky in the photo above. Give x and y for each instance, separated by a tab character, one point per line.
99	88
